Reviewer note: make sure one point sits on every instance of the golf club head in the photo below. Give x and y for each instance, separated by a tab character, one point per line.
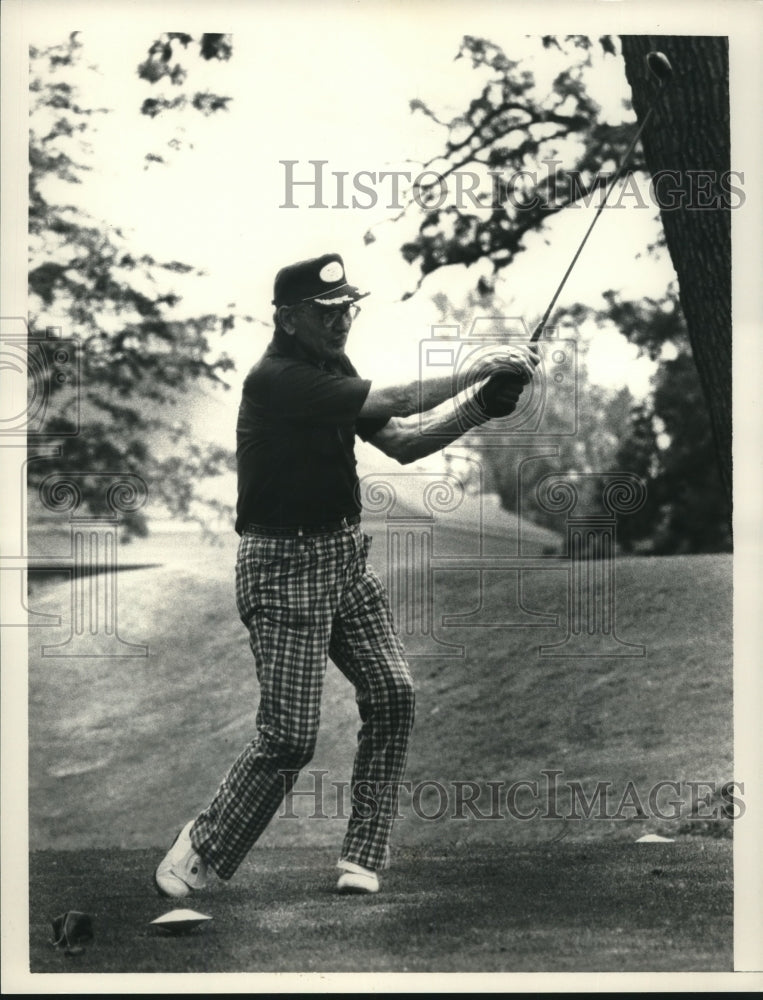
659	66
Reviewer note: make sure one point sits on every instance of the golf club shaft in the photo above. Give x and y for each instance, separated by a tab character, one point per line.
615	177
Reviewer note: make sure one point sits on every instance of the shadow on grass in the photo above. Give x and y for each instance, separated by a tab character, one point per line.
40	575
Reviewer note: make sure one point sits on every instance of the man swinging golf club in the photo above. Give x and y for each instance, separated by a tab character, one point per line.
303	587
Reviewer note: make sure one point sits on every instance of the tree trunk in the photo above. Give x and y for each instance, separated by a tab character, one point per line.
689	134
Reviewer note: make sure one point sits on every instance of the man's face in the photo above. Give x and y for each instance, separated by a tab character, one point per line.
321	331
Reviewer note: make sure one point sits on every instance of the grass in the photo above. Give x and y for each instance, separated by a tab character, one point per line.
613	908
123	750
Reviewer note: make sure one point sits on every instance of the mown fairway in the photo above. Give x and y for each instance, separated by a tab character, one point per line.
604	908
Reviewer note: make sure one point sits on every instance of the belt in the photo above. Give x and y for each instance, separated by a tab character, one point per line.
281	531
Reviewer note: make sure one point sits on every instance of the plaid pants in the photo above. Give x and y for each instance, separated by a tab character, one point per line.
303	599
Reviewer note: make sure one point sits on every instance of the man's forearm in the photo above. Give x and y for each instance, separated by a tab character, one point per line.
410	438
407	398
420	395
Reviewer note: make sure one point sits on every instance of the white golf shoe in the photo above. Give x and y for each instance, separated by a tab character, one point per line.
182	869
356	879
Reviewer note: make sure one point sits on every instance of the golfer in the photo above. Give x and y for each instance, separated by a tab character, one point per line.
303	587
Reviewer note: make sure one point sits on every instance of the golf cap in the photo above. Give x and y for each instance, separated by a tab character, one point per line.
320	279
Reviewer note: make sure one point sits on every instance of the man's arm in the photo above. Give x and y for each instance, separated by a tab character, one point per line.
410	438
403	399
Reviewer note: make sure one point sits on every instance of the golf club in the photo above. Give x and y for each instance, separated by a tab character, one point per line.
659	66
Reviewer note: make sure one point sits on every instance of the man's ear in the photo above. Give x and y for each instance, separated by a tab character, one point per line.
286	319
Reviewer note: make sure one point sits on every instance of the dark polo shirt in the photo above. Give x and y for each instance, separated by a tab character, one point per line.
296	439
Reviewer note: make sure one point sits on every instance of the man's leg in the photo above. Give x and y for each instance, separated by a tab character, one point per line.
287	596
367	650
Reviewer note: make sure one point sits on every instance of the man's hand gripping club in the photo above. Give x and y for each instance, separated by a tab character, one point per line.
499	394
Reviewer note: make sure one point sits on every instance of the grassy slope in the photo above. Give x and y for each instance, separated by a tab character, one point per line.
121	750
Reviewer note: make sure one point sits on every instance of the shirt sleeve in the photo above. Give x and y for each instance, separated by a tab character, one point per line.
366	427
297	391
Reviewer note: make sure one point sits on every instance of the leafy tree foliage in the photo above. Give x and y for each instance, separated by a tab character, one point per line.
513	134
514	473
139	354
164	64
520	135
670	440
568	439
666	439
